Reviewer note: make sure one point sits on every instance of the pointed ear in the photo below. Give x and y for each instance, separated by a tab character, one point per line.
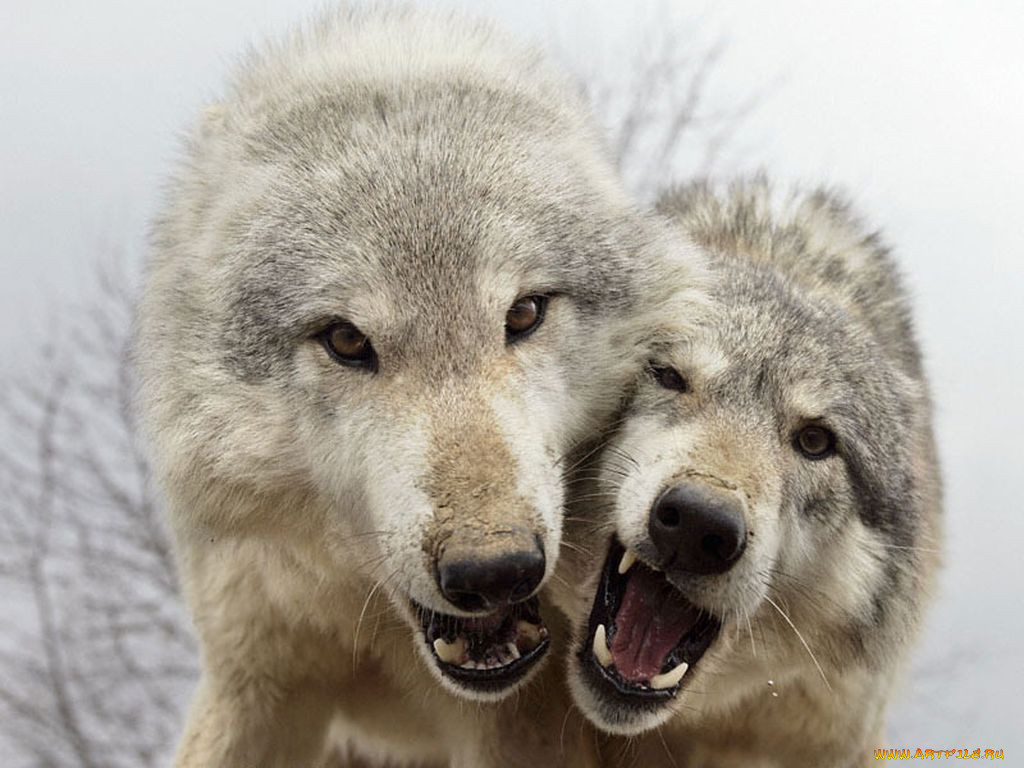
675	287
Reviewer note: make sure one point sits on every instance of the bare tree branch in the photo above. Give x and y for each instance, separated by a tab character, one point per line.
98	660
662	124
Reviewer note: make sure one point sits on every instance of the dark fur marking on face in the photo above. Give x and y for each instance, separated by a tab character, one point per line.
888	505
259	332
825	509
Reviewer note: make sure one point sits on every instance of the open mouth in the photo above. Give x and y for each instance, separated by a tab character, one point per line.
645	636
487	653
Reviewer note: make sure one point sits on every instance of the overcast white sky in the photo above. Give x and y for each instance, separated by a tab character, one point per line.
916	108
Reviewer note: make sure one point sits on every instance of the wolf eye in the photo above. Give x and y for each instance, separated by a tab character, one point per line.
669	378
348	345
524	317
815	442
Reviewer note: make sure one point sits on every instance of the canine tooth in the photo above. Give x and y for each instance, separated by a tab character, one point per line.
513	651
450	653
529	632
628	558
601	650
670	678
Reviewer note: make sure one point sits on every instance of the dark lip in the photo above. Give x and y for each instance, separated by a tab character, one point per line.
691	648
494	680
435	625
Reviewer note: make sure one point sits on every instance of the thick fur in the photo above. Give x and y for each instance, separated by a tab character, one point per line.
811	325
413	173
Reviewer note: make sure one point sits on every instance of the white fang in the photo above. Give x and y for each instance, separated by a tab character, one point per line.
670	678
450	653
628	558
601	651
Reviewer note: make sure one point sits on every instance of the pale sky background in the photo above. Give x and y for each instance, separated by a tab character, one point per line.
916	108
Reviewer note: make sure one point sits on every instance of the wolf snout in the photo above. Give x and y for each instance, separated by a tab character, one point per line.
697	529
484	575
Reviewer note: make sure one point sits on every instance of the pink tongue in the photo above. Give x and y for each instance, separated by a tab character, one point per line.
651	621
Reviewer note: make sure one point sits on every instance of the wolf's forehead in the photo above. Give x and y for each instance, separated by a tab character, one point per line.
436	226
421	250
763	352
433	270
787	367
438	176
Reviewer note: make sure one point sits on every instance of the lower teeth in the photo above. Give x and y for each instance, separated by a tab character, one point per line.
488	663
659	682
670	678
601	651
529	634
528	637
450	653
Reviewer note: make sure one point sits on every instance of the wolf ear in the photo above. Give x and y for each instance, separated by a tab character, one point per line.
677	295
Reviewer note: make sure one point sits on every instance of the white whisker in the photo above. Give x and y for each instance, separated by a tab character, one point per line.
810	653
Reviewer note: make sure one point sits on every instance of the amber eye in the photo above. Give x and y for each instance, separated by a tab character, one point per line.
349	346
669	378
524	317
815	442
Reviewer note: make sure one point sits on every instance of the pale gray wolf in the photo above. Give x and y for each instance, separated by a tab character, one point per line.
749	573
390	293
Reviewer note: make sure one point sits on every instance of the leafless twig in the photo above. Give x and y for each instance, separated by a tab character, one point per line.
95	650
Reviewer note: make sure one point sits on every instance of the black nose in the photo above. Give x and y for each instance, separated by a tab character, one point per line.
485	583
697	529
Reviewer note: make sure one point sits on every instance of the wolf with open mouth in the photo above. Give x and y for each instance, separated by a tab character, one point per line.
390	292
750	569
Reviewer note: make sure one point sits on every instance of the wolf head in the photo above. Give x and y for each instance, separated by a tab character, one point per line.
392	291
773	489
